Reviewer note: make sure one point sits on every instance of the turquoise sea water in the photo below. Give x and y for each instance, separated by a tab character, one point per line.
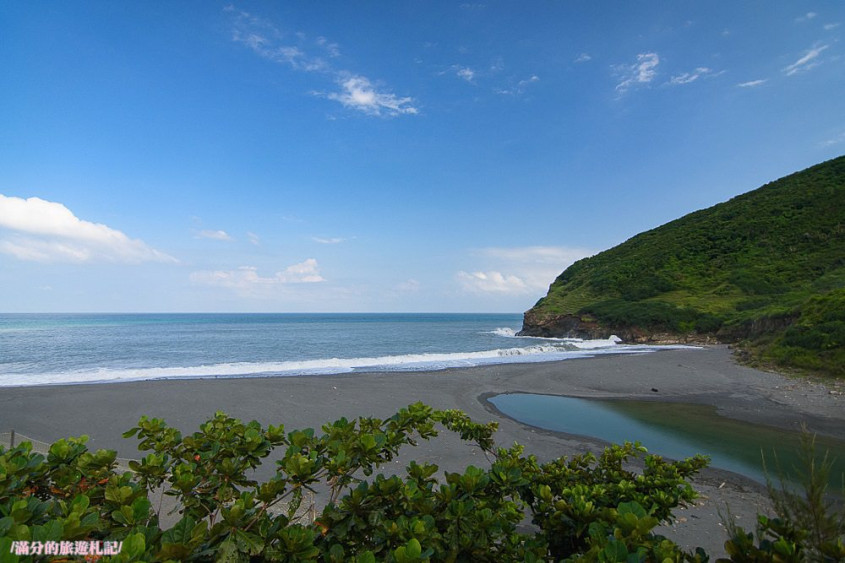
42	349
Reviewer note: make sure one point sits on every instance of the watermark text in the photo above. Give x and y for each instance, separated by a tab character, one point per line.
84	547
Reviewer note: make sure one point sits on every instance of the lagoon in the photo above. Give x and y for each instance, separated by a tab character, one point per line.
674	430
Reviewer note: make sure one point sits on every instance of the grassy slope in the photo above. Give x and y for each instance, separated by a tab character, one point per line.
767	268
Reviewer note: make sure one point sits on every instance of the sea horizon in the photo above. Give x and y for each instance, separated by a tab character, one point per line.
79	348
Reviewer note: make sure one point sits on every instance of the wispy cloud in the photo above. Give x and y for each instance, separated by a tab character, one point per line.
298	52
247	281
464	72
520	87
640	73
518	270
332	240
214	235
753	83
583	58
332	49
268	42
492	282
409	286
508	85
830	26
46	231
359	93
254	239
806	17
838	139
689	77
807	61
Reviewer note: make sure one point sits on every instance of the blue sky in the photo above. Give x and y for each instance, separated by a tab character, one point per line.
383	156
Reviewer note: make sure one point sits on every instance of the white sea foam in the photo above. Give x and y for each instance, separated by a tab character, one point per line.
504	332
545	352
593	344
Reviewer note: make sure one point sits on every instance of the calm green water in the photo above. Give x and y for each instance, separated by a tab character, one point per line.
674	430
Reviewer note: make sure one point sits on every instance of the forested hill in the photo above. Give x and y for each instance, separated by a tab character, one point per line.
766	269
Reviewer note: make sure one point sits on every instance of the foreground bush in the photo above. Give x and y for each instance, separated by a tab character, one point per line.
585	508
809	524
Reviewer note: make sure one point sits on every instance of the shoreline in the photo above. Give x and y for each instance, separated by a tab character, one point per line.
706	375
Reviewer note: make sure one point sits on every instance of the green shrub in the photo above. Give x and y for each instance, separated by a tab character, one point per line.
823	336
809	524
756	282
585	508
653	315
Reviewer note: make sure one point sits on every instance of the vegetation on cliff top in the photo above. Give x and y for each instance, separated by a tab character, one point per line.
766	268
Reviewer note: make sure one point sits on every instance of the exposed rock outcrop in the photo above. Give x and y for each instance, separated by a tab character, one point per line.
575	326
561	326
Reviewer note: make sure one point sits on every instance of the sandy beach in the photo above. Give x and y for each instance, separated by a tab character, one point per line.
705	375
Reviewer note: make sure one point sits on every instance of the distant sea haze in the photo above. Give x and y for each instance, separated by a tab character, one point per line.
44	349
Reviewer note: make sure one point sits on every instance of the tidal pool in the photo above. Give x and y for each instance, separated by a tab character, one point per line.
675	430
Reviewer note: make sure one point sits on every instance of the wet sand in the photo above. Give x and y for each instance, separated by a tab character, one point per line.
706	375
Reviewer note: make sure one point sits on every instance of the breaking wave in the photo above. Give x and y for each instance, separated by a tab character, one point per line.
545	350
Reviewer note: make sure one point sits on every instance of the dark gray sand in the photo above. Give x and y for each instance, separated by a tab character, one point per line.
705	375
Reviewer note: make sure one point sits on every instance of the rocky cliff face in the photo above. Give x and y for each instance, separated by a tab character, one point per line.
757	328
560	326
575	326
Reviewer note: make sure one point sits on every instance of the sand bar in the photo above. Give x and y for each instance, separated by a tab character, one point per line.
705	375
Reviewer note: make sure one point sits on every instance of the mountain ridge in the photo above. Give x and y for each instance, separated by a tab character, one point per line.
765	269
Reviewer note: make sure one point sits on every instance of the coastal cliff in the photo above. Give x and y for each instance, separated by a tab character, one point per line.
765	269
587	328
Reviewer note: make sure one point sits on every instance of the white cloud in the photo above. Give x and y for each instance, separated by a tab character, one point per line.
519	270
753	83
254	239
304	272
333	240
300	53
520	86
214	235
830	26
807	60
688	77
583	58
247	281
639	73
46	231
331	48
492	282
359	94
265	40
464	72
806	17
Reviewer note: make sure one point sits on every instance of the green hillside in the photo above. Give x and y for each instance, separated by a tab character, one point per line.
765	269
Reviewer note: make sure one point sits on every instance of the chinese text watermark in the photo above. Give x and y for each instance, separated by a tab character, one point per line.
84	547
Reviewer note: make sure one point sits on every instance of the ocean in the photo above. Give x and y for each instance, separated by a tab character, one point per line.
49	349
